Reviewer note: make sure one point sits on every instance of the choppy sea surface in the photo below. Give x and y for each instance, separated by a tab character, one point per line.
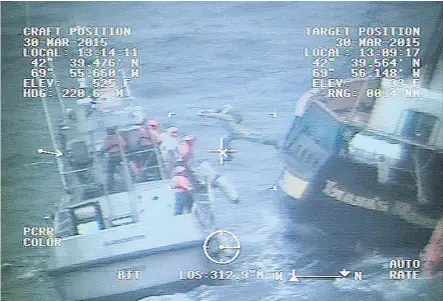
207	54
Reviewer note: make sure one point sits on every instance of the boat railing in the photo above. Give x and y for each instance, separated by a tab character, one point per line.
149	159
87	181
83	183
90	181
74	171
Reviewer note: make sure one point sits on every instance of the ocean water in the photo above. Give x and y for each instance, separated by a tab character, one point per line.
206	54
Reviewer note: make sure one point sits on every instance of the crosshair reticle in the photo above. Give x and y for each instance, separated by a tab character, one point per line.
222	151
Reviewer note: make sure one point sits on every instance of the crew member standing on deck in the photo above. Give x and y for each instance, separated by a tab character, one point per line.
153	127
186	151
171	138
183	187
169	147
112	145
139	141
145	138
147	144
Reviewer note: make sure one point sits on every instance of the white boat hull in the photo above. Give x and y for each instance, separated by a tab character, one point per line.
154	272
90	266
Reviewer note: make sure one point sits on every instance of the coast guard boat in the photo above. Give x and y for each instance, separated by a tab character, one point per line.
118	242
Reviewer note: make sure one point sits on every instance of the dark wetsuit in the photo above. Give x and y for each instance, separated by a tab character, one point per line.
112	147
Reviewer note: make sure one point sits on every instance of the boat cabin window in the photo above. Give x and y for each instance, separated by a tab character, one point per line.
120	221
418	126
80	173
317	124
88	218
79	154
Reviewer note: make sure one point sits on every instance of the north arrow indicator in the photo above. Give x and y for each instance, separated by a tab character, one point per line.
345	273
296	278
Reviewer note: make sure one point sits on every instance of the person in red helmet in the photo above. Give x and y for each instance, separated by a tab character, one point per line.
186	150
139	143
153	128
145	137
183	187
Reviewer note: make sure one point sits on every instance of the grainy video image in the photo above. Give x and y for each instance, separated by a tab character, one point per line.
209	151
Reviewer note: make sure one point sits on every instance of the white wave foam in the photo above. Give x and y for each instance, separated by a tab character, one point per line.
7	265
175	297
30	275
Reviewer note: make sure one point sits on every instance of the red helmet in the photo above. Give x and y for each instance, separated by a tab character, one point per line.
153	124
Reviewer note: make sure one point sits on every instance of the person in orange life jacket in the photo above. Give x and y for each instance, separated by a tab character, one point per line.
186	150
183	188
142	142
112	145
145	138
146	141
153	127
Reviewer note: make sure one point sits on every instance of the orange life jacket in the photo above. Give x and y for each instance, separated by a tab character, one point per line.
113	144
181	183
156	136
185	151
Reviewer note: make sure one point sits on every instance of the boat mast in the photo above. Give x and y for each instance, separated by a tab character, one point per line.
47	116
434	53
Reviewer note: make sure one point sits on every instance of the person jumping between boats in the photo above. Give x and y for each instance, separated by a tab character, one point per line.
231	120
183	188
112	145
